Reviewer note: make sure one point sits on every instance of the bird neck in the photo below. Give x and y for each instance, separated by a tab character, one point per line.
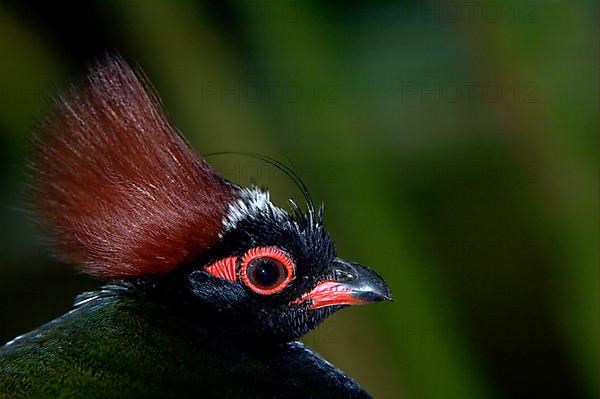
171	307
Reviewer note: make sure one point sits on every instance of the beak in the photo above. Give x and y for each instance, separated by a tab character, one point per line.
353	284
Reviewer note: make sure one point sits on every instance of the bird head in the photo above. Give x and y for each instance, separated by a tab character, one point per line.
125	198
278	273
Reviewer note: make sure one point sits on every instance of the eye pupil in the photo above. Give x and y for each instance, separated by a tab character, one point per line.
266	272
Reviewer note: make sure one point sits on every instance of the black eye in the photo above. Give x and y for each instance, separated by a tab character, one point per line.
266	270
266	273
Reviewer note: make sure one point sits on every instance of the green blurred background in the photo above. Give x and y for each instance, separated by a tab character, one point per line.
453	143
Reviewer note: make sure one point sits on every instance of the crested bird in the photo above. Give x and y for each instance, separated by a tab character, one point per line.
208	285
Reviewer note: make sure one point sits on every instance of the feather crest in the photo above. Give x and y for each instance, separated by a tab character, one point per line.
120	191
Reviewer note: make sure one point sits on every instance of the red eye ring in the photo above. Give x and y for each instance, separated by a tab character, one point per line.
270	253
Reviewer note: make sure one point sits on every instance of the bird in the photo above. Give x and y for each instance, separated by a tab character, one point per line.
206	286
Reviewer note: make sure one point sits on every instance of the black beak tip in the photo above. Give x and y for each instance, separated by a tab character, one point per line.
365	284
380	289
388	296
374	294
385	293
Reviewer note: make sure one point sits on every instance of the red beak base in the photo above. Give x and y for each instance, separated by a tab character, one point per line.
330	293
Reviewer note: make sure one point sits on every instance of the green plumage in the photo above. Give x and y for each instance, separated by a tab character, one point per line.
117	344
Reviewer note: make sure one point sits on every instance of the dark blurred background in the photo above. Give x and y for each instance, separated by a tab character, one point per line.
453	143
